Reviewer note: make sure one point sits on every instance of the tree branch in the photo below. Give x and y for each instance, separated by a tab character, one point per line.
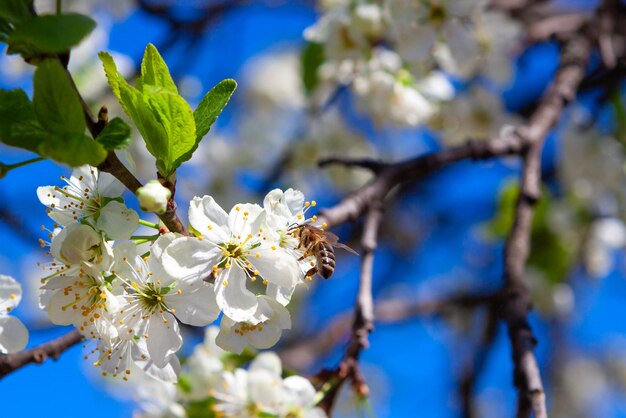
392	175
516	303
363	322
52	349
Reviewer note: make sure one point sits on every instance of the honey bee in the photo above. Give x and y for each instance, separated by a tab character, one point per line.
319	243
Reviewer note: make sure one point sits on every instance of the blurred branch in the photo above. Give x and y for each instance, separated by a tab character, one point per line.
391	175
375	166
363	322
52	349
303	351
516	302
472	371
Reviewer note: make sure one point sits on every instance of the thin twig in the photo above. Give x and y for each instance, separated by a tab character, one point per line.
363	317
52	349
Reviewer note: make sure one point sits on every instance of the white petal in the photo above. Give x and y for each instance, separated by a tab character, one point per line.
267	361
227	339
197	308
60	310
277	266
10	294
208	218
188	256
281	294
235	299
117	221
163	338
108	185
301	391
266	338
241	224
13	335
294	199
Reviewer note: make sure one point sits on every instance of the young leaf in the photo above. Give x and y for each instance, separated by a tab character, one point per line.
211	106
56	102
163	117
115	135
72	148
49	33
154	71
14	11
312	57
173	113
18	125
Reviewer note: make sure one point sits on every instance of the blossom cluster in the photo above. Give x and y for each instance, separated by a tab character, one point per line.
130	297
392	53
211	385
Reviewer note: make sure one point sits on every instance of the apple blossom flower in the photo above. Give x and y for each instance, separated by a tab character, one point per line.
92	197
83	299
204	366
153	197
233	249
263	332
241	394
153	298
120	356
13	333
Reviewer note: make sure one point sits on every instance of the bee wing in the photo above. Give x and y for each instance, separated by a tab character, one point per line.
345	247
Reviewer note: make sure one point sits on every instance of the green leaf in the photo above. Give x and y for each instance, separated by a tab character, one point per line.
56	102
174	115
115	135
18	124
154	71
620	117
312	57
163	117
14	11
211	106
49	34
72	148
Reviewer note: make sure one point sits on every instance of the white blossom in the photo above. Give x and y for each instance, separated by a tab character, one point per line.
152	299
83	298
13	333
90	196
234	250
270	319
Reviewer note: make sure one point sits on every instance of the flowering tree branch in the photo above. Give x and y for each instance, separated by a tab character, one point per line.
115	167
51	349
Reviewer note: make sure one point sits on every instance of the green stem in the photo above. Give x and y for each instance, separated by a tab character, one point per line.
141	241
59	6
148	224
144	237
23	163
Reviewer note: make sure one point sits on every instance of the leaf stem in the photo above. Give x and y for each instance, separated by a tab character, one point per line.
148	224
144	237
23	163
59	6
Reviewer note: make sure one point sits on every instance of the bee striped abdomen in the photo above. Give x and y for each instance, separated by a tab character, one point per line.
325	256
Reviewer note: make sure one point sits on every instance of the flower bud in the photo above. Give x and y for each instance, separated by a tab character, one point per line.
153	197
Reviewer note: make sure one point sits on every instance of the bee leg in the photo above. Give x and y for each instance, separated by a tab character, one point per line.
311	273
